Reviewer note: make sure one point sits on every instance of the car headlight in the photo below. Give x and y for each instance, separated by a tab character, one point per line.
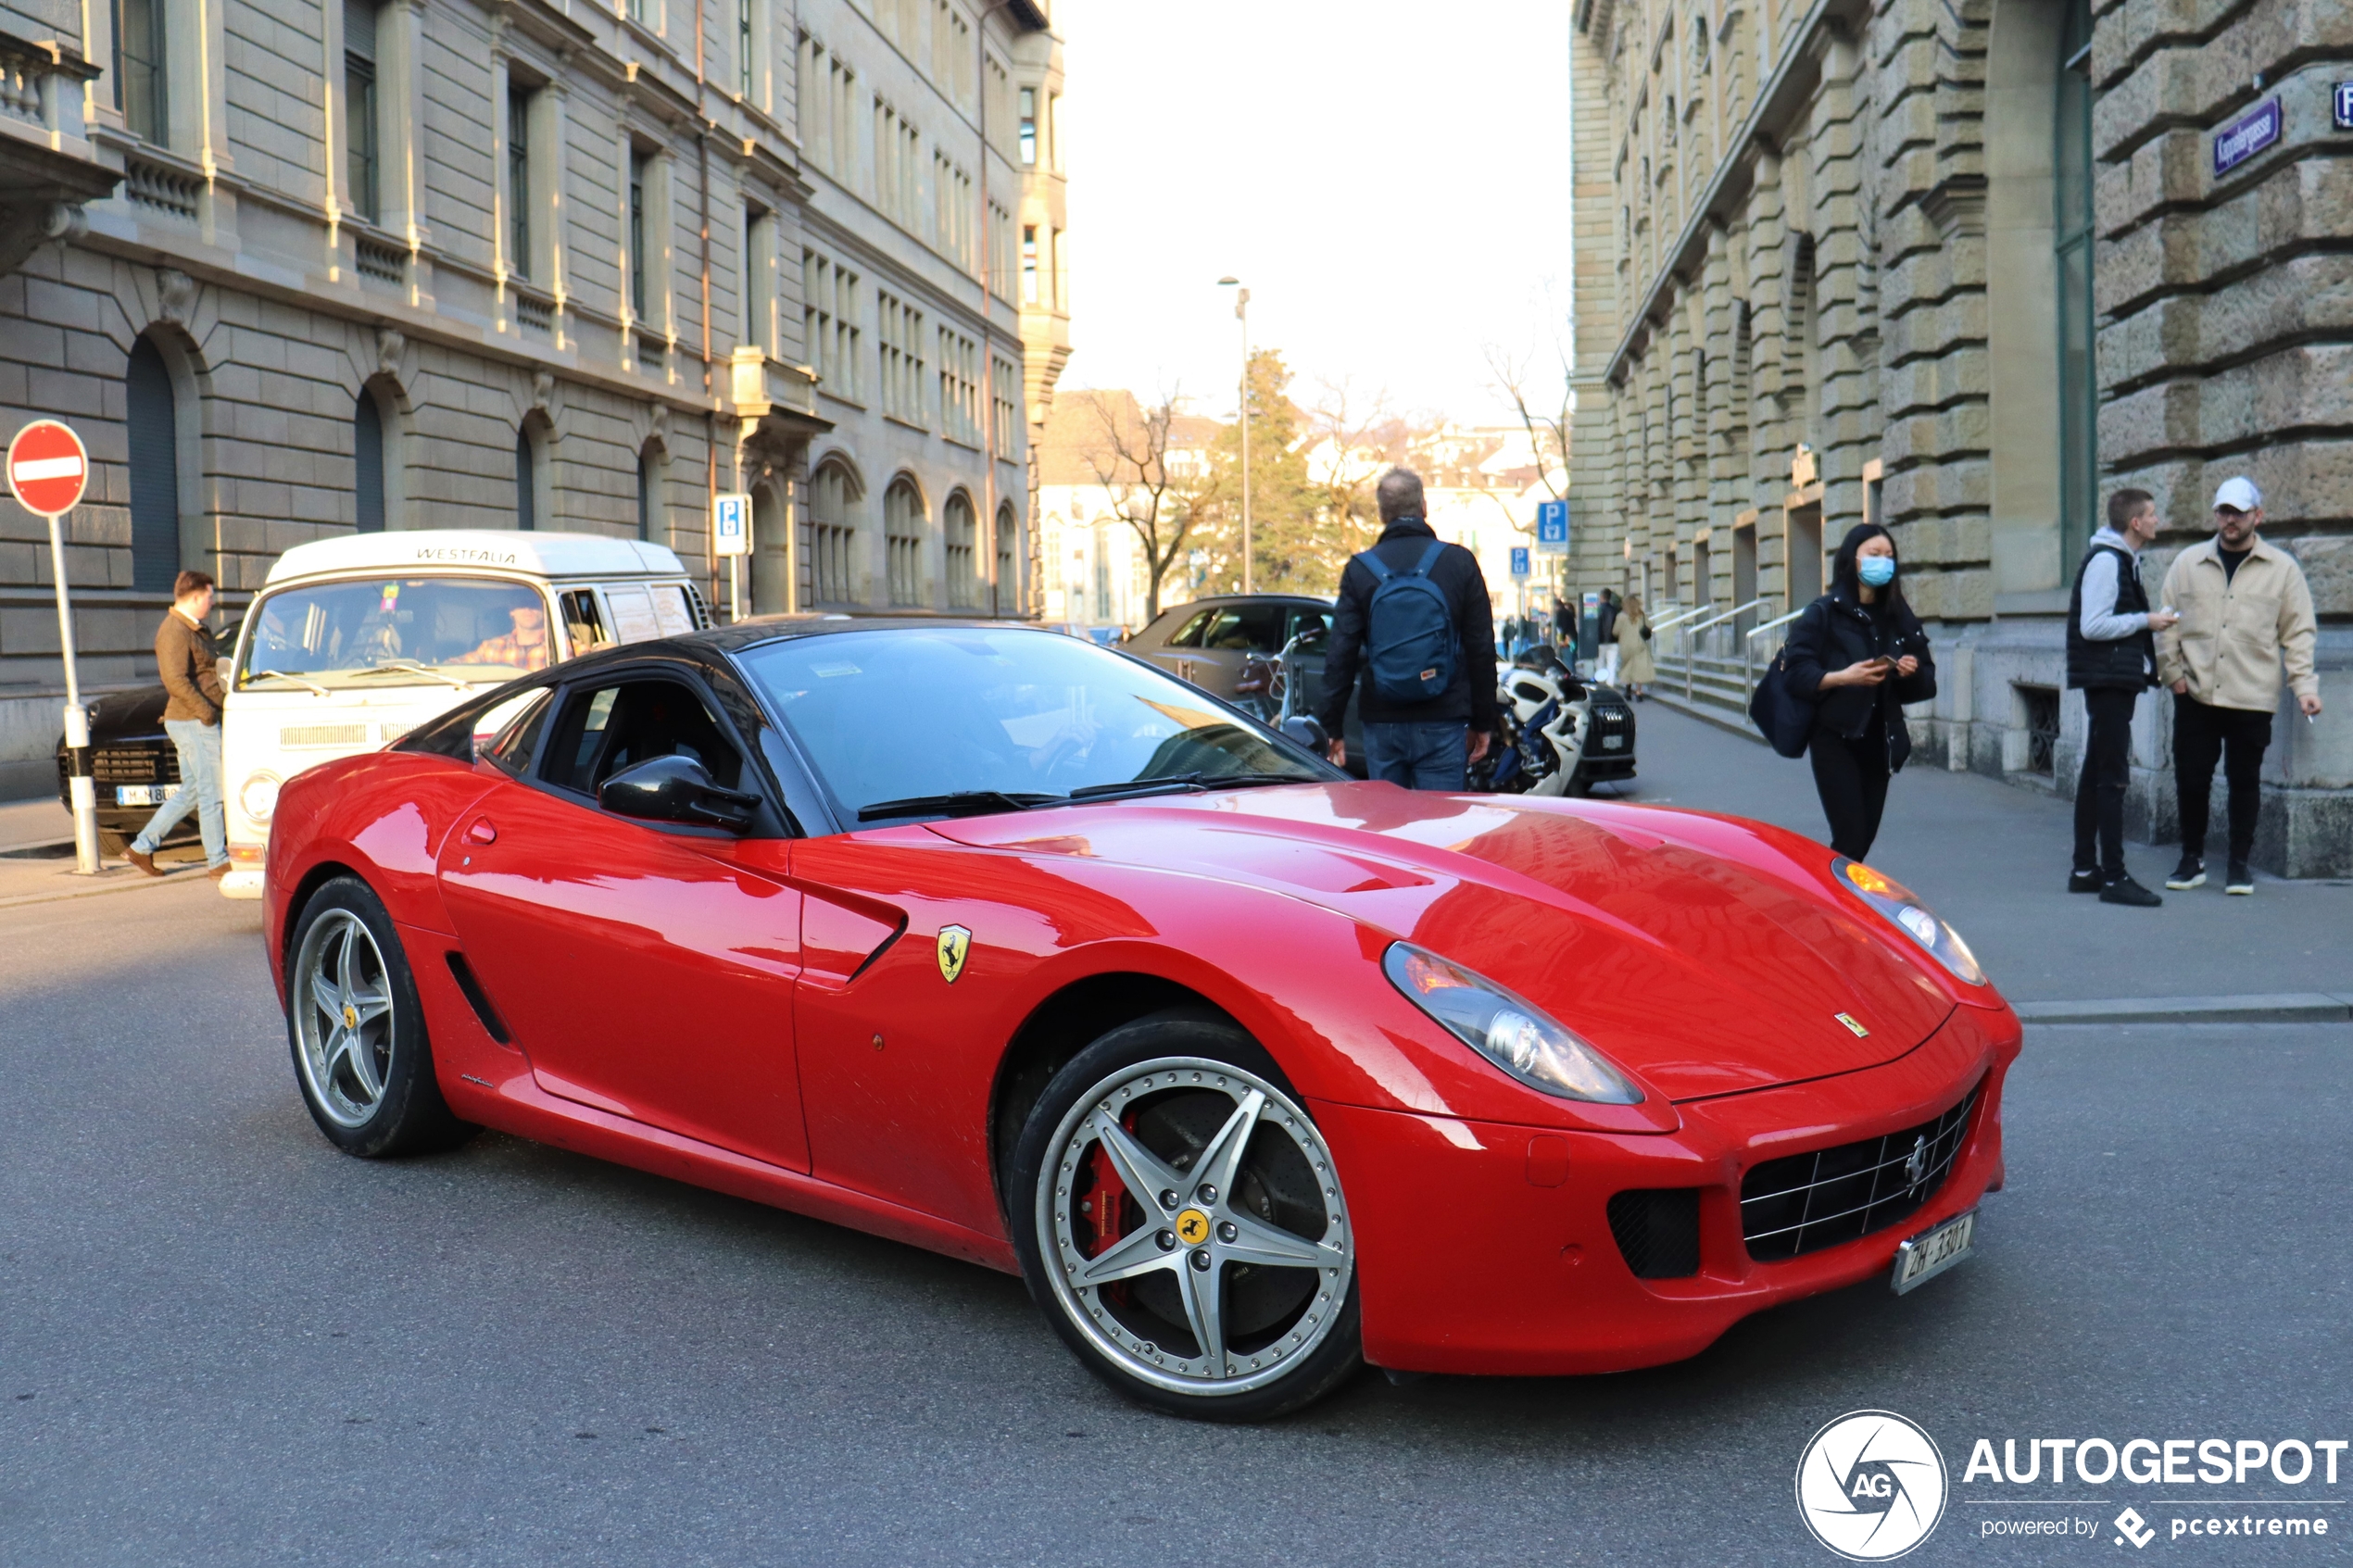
258	795
1513	1033
1916	919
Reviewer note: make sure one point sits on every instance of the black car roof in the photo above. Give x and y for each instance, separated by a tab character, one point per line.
700	646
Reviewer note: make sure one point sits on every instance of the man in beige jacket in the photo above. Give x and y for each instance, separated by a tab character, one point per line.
2245	611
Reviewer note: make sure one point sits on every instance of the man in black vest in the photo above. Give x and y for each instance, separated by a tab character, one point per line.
2111	659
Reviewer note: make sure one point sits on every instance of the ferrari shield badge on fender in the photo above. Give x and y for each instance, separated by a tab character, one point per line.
954	943
1846	1018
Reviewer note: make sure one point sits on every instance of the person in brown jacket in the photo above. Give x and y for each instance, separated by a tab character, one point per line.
2245	611
184	657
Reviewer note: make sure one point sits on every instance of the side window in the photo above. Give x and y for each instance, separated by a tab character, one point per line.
608	729
1188	635
1308	621
1255	628
672	611
633	613
514	737
584	621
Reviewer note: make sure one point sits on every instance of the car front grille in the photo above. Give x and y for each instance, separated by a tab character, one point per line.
123	765
1657	1231
1805	1202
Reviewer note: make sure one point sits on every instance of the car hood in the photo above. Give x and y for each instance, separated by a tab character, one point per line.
1708	955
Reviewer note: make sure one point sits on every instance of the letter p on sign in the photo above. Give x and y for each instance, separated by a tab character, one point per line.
47	468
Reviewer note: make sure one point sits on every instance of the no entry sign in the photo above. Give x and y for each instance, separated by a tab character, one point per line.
47	468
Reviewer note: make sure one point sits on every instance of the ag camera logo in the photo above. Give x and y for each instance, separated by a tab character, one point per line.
1871	1485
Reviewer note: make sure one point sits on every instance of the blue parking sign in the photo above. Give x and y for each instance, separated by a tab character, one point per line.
1551	525
2342	102
731	524
1519	560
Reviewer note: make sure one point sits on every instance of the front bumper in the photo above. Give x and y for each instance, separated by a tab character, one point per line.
1487	1248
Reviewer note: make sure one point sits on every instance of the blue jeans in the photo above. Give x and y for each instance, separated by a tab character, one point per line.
1418	756
199	748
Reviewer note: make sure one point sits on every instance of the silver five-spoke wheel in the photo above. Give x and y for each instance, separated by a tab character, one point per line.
342	1016
1192	1228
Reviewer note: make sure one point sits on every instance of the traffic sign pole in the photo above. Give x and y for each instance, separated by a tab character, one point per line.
79	789
47	469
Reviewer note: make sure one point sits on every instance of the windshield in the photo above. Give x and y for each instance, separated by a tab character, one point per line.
902	716
454	630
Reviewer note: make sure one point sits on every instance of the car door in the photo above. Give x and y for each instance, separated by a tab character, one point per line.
1231	634
645	969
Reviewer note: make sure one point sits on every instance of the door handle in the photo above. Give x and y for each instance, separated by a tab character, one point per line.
482	832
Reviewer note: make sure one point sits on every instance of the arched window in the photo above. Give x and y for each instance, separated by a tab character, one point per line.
904	541
153	419
831	536
771	563
368	450
2071	233
963	578
533	503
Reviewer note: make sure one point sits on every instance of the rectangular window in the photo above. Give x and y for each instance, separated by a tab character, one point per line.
898	338
760	282
1029	264
360	105
637	233
1054	265
743	52
1029	125
1005	393
519	100
139	68
958	387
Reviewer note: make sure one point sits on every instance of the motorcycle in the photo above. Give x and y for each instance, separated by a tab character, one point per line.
1560	734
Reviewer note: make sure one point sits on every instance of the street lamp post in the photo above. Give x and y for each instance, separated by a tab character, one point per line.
1241	314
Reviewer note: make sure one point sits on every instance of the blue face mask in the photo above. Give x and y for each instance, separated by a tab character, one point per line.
1877	570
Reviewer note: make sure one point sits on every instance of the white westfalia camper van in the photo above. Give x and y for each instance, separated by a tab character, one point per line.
353	642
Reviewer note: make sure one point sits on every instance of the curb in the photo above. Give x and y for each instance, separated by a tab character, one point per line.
2295	1007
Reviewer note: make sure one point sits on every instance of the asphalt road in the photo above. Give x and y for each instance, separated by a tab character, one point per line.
221	1342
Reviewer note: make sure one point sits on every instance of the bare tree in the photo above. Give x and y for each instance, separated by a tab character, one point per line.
1360	437
1128	456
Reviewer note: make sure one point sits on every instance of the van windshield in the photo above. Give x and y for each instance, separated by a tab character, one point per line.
457	631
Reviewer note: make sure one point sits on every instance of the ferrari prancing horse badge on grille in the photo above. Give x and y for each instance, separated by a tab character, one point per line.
954	943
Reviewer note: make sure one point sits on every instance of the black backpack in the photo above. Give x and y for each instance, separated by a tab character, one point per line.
1786	718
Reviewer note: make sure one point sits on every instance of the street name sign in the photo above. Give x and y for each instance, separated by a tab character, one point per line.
731	524
47	469
1519	560
2246	136
1551	526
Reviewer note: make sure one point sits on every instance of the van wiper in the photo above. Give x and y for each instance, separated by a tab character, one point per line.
410	666
252	675
962	803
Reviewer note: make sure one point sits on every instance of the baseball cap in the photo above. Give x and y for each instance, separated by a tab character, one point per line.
2239	494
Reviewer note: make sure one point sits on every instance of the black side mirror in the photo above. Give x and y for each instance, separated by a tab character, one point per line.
1308	733
676	789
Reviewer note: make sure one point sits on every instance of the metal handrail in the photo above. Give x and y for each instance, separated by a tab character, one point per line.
1677	619
1748	647
1688	633
1727	615
1770	625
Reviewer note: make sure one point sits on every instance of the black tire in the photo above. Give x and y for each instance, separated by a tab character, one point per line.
1579	785
1324	1337
367	1076
112	845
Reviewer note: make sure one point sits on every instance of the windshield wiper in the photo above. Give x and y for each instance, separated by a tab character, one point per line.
252	675
410	666
962	803
1175	783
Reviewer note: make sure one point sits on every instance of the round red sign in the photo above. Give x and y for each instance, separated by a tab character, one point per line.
47	468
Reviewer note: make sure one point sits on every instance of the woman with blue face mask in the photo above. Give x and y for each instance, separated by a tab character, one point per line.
1859	654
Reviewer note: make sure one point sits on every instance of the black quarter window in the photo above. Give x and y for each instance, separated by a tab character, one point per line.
1188	635
514	743
607	730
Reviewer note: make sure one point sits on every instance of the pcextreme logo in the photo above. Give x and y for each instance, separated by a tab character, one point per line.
1871	1485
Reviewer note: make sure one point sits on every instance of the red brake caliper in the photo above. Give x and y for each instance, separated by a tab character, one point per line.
1110	1215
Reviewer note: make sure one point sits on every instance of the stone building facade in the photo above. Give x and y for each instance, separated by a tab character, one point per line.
339	264
1965	266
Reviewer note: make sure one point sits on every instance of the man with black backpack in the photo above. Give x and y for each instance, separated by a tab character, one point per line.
1414	621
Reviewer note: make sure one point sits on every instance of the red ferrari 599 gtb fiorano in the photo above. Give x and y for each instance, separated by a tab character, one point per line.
1012	947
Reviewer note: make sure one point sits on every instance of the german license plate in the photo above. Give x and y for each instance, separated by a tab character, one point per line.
1932	1251
1612	742
143	795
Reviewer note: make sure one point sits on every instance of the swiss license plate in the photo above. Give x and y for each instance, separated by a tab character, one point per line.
143	795
1933	1251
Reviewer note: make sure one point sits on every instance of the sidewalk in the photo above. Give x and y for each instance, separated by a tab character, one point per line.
1993	858
36	858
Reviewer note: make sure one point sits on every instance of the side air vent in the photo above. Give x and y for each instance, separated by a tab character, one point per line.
462	972
1657	1231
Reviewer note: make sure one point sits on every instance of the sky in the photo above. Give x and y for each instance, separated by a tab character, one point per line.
1389	179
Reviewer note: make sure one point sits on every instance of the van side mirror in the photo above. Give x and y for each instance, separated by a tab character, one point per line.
676	789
